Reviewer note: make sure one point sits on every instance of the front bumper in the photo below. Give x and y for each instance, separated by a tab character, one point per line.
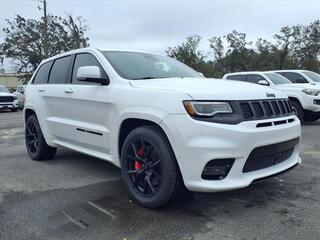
311	103
195	143
9	105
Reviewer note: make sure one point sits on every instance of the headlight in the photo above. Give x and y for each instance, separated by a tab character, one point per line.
206	109
312	92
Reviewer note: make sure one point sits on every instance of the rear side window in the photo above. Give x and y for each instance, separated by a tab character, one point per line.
85	59
254	78
294	77
60	71
43	73
237	77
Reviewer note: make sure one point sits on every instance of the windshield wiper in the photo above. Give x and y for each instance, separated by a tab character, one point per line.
143	78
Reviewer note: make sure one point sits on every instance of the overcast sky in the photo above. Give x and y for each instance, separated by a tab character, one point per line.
154	25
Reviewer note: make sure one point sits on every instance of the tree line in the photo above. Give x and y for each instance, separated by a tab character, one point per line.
293	47
24	40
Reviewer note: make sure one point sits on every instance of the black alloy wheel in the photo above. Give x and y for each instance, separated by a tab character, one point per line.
297	110
32	137
143	165
36	145
149	168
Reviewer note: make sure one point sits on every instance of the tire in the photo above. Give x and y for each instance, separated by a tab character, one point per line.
136	168
298	110
36	145
311	118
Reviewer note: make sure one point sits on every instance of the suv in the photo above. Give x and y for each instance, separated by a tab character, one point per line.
168	128
300	76
304	97
8	100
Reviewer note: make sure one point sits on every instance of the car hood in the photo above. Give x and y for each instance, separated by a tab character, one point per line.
209	88
4	94
298	86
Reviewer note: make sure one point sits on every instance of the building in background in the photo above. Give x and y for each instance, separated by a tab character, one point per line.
10	80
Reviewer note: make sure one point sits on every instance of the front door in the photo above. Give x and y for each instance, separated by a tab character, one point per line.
88	110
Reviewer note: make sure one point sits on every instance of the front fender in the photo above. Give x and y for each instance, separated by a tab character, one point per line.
151	114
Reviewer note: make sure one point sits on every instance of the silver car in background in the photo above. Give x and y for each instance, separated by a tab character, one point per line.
19	93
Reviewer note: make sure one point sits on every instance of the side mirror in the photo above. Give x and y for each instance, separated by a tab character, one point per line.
91	74
201	74
263	82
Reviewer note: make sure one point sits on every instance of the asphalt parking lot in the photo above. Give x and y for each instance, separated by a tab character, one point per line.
75	196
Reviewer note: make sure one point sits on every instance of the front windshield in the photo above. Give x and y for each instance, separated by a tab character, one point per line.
4	89
314	76
277	79
136	65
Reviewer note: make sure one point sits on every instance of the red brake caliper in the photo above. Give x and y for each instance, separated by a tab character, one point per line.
137	165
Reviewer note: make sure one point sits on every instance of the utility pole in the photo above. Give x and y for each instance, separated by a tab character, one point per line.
45	28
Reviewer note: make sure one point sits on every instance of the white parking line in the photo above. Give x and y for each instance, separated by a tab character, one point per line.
102	210
71	219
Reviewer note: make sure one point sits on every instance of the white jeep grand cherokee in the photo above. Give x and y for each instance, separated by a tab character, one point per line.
167	127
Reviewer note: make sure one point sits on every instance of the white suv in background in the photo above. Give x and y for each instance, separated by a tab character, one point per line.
162	123
304	97
300	76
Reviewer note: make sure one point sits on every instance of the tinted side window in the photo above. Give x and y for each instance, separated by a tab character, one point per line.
254	78
237	77
60	71
85	59
294	77
43	73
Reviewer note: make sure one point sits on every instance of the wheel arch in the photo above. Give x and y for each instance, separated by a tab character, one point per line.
296	100
28	112
129	124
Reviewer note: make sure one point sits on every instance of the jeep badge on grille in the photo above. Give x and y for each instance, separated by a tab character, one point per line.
271	95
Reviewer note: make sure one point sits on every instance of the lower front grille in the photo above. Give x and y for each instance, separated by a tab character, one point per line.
270	155
6	99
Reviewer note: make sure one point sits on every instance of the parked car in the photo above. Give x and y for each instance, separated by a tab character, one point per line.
19	93
167	127
304	97
300	76
7	100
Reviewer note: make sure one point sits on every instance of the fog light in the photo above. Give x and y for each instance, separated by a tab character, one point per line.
217	169
317	102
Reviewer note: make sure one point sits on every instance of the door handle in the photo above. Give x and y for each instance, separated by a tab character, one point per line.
68	91
41	90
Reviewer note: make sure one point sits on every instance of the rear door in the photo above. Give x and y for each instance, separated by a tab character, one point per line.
35	94
237	77
55	98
